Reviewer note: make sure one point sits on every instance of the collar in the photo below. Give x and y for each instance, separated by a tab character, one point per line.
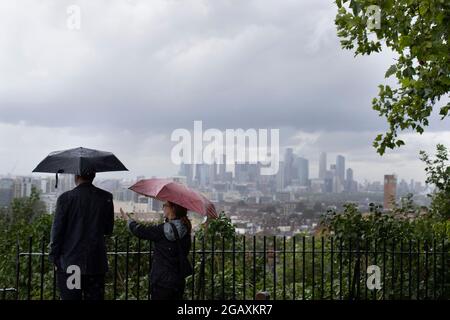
84	184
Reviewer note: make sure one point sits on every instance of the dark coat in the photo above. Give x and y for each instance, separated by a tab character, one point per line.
83	217
166	259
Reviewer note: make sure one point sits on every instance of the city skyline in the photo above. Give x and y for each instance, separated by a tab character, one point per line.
232	67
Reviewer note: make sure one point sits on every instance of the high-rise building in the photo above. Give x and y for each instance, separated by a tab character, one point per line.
328	179
390	188
289	158
302	166
280	183
187	170
204	174
340	168
349	174
322	165
223	168
349	183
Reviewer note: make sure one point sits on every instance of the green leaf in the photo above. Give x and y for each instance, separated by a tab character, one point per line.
392	69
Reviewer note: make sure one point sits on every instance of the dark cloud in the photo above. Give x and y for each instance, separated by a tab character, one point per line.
138	69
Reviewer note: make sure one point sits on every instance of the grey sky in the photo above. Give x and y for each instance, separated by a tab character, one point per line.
139	69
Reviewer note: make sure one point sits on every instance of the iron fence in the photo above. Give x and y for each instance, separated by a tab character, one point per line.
238	268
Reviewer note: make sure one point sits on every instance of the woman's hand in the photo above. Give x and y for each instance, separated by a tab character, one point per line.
125	215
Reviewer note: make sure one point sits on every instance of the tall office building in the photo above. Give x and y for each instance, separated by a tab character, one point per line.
187	170
280	183
204	174
322	165
223	168
390	188
350	184
349	174
302	166
289	159
340	168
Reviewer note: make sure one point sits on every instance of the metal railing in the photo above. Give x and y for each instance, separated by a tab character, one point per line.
297	268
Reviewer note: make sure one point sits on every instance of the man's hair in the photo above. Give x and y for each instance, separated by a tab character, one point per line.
87	176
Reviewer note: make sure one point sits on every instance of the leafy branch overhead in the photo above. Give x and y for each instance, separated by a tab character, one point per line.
418	31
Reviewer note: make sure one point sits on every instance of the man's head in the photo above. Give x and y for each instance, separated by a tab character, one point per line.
79	179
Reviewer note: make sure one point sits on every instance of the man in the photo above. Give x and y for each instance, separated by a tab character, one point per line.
83	217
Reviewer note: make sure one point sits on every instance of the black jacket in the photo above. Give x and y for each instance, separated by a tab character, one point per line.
83	217
166	258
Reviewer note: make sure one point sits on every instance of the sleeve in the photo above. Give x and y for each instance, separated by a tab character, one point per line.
109	216
58	228
153	233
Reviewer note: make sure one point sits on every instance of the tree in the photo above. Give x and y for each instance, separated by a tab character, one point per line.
438	174
417	30
27	209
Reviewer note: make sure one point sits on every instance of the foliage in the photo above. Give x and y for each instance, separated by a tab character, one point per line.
438	174
417	30
26	209
232	266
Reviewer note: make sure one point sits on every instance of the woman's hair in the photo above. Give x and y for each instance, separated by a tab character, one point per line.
181	213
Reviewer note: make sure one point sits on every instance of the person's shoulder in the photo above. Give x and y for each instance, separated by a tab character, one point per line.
65	195
103	193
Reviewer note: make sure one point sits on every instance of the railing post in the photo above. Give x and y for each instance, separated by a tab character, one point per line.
42	268
30	251
193	269
303	267
274	267
17	268
313	265
293	267
126	267
254	267
331	267
284	267
138	269
243	268
212	266
322	269
223	267
115	270
234	267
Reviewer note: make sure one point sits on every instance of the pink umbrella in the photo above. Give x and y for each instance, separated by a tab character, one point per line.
163	189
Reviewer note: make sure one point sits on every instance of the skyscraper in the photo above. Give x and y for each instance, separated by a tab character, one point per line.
390	188
322	165
349	174
349	183
187	170
288	166
340	168
223	168
280	183
302	166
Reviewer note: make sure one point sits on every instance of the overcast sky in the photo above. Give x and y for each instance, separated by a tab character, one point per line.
138	69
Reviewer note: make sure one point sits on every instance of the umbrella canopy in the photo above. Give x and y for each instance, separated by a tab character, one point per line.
167	190
80	161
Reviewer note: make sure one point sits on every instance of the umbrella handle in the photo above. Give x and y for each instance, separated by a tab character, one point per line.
59	171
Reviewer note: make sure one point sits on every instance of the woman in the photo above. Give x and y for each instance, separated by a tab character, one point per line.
170	265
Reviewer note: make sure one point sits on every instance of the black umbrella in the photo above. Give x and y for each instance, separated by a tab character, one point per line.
79	161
